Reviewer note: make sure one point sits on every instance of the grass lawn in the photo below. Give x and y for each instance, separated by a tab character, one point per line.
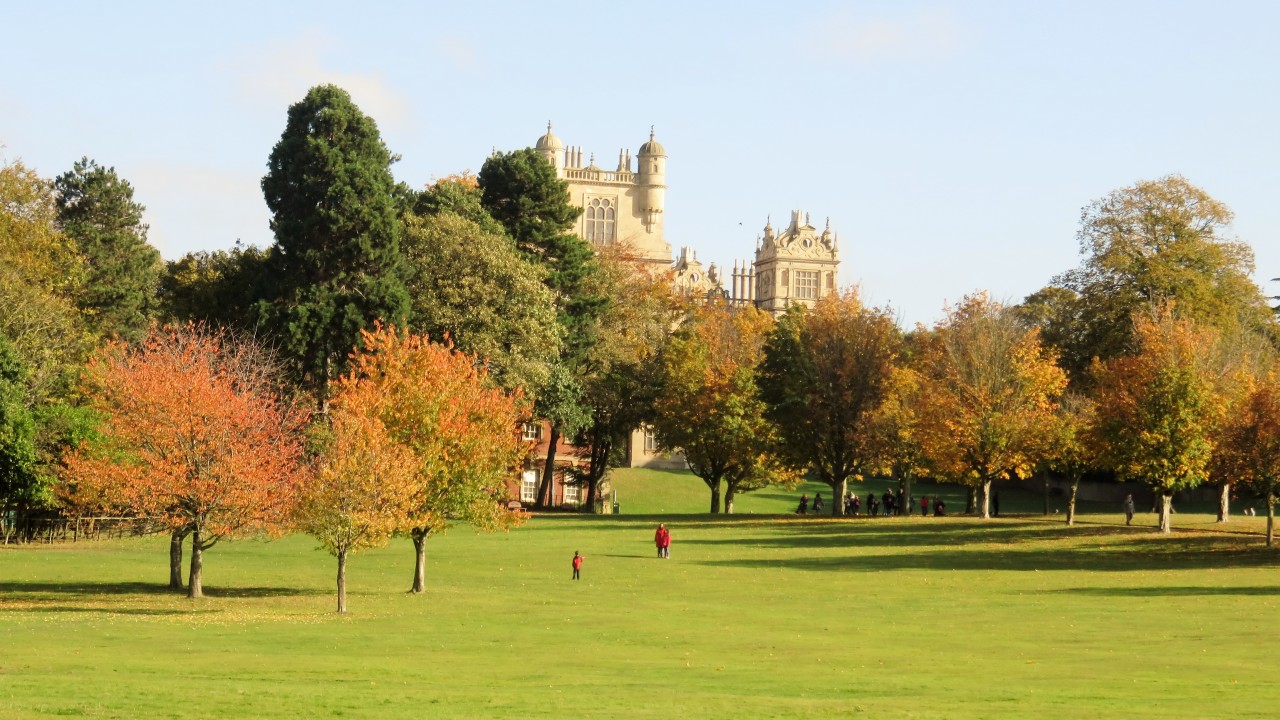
754	616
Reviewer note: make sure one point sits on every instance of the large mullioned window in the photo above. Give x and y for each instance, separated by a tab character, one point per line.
806	286
600	220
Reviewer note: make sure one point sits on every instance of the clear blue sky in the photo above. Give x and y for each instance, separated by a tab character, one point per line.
951	144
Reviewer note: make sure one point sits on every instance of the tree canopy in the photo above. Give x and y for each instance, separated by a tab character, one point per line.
336	265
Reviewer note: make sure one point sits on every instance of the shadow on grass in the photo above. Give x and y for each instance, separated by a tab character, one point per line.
86	609
1179	591
50	590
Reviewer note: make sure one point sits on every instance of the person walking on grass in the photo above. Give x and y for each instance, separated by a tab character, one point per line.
817	503
924	506
1128	509
577	564
662	539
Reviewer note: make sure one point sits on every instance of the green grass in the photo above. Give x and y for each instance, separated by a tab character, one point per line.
753	616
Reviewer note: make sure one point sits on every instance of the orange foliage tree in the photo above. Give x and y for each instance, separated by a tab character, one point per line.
462	430
365	486
990	391
193	435
1159	408
709	407
1249	448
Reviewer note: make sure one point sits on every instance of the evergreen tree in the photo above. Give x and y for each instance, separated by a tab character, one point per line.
521	191
97	211
336	265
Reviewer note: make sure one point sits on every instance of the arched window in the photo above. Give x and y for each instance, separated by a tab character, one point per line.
600	221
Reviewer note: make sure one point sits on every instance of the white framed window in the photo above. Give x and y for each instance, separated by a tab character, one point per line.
529	486
600	220
532	431
807	284
572	493
650	441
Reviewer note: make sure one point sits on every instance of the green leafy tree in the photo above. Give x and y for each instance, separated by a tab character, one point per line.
470	285
825	373
1154	243
521	191
19	480
1159	408
97	211
336	266
710	408
219	287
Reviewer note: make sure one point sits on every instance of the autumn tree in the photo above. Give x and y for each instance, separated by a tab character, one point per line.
825	373
1249	444
894	428
521	191
710	408
193	436
1159	407
97	211
365	487
990	390
1072	447
336	266
462	430
1151	244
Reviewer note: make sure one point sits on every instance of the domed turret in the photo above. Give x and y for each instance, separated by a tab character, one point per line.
551	148
653	147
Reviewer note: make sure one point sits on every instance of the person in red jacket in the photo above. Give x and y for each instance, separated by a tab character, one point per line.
662	539
577	563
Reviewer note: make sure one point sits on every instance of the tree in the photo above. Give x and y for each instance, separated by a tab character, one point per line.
364	489
825	373
19	480
193	436
1159	408
1158	242
990	390
1073	443
472	286
709	407
219	287
521	191
1249	447
336	265
621	375
894	428
460	428
97	211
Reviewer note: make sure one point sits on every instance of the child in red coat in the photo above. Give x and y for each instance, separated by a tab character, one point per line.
577	563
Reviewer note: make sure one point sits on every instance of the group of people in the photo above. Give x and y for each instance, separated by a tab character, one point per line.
890	503
661	538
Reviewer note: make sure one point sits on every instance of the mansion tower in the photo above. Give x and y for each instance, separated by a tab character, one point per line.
624	206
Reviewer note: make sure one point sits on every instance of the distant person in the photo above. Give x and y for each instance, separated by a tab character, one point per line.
577	564
1128	509
662	539
817	503
857	504
804	504
873	505
939	507
995	504
849	504
924	506
887	499
897	502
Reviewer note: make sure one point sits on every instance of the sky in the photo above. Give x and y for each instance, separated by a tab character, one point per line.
951	144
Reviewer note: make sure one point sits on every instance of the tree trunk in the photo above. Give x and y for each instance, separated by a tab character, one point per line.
1045	487
1166	512
906	492
195	581
970	500
715	497
1271	517
839	489
175	558
591	494
547	487
342	582
1224	503
1071	501
984	500
419	536
730	491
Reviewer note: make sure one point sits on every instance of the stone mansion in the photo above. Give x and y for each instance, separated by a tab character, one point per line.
625	206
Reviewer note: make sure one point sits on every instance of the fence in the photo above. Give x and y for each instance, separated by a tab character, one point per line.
20	528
